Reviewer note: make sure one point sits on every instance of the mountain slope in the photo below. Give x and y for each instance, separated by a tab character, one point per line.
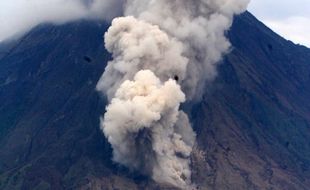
253	123
256	113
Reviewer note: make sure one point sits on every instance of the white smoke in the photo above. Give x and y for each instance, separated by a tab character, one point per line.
19	16
139	45
158	41
200	25
140	124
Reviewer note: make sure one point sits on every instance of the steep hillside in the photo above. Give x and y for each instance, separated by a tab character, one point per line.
253	123
255	116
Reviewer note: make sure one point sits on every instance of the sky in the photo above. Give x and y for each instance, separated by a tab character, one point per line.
289	18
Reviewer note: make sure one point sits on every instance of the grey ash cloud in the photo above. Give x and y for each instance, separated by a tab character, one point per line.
163	53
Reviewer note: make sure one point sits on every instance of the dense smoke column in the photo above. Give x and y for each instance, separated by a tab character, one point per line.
199	25
137	45
141	125
143	122
163	51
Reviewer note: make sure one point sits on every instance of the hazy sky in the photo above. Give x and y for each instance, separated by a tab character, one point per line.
289	18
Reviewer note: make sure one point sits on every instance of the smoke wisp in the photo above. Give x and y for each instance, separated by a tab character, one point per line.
163	51
19	16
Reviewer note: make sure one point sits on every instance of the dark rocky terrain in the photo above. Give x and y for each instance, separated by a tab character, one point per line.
253	123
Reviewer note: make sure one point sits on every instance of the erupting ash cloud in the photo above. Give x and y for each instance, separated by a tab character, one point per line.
140	124
163	51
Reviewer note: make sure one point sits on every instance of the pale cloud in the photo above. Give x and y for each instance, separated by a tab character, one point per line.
280	9
19	16
296	29
290	19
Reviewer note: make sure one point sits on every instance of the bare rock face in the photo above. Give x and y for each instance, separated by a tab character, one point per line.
252	125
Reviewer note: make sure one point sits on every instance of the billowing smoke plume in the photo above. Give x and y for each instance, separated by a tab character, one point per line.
140	124
139	45
163	51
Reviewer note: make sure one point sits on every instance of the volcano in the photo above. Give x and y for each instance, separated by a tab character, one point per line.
252	124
